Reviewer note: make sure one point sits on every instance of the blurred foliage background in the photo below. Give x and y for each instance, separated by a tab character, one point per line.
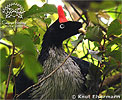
21	38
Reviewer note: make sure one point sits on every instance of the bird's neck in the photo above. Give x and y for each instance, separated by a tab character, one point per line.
48	50
51	57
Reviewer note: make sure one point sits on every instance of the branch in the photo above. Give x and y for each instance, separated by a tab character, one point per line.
10	71
39	25
46	77
11	64
112	80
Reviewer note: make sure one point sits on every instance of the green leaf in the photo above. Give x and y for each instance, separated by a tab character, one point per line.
23	41
3	64
32	66
114	28
94	34
46	8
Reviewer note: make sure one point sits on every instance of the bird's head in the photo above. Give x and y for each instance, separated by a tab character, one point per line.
61	29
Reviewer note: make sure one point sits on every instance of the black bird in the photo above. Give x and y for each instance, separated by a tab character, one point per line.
69	79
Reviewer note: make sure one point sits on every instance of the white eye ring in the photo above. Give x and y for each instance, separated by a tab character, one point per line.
62	26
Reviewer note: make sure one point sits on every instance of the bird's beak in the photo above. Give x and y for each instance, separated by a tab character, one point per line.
82	31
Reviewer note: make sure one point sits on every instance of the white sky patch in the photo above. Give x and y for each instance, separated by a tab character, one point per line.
34	2
56	2
2	41
105	21
39	3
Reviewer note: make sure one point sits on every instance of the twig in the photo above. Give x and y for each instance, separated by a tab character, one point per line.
79	14
69	12
101	65
10	71
101	85
104	29
50	73
39	25
36	38
112	12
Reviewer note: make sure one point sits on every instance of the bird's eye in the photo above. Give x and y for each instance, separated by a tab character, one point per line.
62	26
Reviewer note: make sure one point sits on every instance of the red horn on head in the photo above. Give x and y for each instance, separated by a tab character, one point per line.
61	15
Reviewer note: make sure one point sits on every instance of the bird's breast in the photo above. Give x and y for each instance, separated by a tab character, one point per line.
66	81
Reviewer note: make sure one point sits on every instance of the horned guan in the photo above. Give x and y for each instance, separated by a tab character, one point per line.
69	79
